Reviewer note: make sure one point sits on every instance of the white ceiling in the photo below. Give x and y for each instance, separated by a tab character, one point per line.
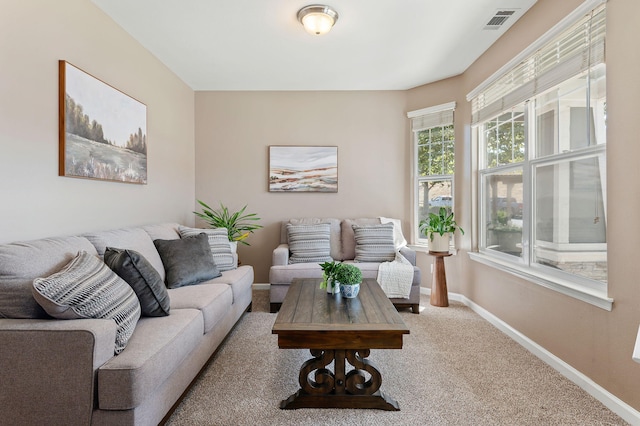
260	45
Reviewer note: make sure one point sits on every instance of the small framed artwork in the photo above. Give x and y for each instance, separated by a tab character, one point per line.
303	168
102	131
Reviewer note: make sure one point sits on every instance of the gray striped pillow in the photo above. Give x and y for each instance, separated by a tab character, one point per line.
374	243
309	243
219	243
87	288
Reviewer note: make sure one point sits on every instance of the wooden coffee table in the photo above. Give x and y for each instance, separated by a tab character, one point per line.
338	330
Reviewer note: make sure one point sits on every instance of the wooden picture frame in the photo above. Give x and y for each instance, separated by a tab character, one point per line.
303	168
102	131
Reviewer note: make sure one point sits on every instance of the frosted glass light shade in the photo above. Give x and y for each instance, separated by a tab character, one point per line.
317	19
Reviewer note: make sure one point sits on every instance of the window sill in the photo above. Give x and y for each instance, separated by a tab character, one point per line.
566	287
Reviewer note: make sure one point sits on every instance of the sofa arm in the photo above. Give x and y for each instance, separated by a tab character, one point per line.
48	368
280	255
409	254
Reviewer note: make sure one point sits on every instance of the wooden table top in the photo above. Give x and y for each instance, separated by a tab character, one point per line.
310	318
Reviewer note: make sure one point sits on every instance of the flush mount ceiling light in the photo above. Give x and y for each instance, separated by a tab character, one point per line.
317	19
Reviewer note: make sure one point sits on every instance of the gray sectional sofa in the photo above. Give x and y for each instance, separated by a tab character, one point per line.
64	372
342	248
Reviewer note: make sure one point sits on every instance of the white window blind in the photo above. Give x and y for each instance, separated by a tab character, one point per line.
426	118
574	47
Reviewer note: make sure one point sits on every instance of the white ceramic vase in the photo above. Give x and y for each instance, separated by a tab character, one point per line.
440	243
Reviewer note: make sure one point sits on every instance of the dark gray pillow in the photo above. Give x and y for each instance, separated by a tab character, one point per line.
143	278
187	260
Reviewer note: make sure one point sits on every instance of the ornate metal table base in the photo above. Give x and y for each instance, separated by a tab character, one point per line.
338	389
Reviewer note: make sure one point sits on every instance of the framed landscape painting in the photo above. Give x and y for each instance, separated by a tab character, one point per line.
102	131
303	169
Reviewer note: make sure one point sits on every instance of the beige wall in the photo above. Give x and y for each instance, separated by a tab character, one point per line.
34	201
235	129
594	341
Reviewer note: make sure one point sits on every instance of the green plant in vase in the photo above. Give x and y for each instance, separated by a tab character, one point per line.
329	271
439	228
349	276
239	224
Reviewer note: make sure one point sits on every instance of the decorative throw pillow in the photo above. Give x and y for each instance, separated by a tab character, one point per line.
187	261
219	243
374	243
87	288
143	278
309	243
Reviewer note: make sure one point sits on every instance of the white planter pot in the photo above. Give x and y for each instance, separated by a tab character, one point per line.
234	246
440	243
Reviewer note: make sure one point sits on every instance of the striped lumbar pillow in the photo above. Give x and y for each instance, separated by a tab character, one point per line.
87	288
374	243
309	243
219	243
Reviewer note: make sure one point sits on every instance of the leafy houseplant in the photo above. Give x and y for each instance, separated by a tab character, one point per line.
348	274
329	271
239	224
441	224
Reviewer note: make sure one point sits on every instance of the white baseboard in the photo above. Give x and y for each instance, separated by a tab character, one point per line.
261	286
612	402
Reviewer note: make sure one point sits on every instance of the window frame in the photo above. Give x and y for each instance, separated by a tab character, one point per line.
526	266
435	115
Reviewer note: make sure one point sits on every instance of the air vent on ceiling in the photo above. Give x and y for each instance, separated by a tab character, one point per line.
499	18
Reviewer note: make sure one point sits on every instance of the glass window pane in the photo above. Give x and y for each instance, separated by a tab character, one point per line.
423	160
432	195
570	220
564	120
502	208
448	158
504	138
436	134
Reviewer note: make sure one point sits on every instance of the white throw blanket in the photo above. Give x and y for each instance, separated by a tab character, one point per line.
396	277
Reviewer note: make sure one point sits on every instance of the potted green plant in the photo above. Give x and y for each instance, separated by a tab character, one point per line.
349	277
239	224
439	228
329	271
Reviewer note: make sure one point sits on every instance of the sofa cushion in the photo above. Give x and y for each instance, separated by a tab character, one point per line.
309	243
145	281
240	280
219	243
187	261
374	243
348	236
22	262
283	275
334	224
213	300
127	238
87	288
156	349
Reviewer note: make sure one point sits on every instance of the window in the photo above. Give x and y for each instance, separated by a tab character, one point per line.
434	143
541	132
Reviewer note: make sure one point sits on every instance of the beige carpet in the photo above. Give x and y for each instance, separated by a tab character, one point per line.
455	369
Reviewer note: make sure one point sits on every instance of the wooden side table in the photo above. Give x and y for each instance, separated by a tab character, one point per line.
439	296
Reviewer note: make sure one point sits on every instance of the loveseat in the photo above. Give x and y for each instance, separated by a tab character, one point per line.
342	247
66	371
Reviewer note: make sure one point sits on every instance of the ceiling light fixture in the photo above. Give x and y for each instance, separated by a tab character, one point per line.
317	19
